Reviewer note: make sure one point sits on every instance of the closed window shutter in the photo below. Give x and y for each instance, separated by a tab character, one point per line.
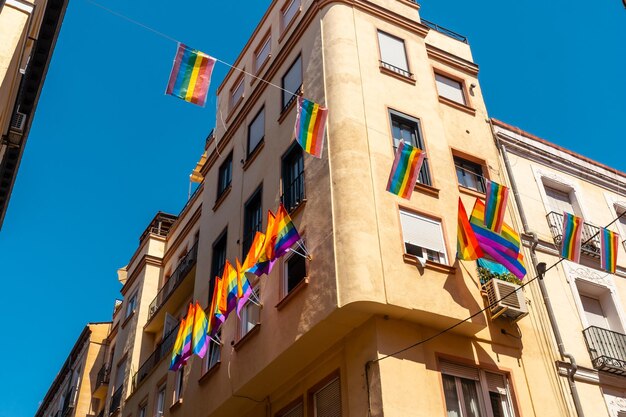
496	383
461	371
392	51
559	201
422	232
297	411
450	89
328	400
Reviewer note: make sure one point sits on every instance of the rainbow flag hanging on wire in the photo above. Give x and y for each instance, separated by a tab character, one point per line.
286	232
572	232
406	167
495	205
467	247
191	75
200	329
310	126
177	350
608	250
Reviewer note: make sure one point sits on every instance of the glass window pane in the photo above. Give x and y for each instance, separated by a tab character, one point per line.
256	131
470	398
452	399
290	12
237	93
292	81
392	51
263	53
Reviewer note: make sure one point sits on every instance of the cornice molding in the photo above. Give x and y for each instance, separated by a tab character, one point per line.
451	60
145	260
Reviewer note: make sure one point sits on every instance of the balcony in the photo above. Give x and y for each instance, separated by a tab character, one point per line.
102	382
444	31
69	402
162	350
607	350
160	225
116	400
395	69
590	240
182	270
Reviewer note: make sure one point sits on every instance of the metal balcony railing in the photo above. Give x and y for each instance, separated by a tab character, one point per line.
160	225
590	239
607	349
291	99
183	268
444	31
70	401
395	69
162	350
116	400
471	180
103	376
294	193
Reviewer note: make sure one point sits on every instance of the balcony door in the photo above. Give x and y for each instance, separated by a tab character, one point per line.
560	201
594	312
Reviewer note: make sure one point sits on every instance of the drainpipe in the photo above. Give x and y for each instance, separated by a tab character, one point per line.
541	268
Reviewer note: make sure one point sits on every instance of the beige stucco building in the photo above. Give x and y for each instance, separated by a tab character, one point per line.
587	302
28	33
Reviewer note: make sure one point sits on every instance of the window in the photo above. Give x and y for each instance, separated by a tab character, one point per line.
250	315
131	305
293	411
253	219
256	131
599	307
620	212
160	402
423	237
218	259
262	54
408	129
236	93
212	357
327	400
225	175
178	389
293	178
594	312
450	89
393	54
292	82
293	6
559	201
294	272
469	174
473	392
142	410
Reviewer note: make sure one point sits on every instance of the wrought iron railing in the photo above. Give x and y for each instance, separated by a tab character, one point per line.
293	97
472	180
183	268
70	401
444	31
607	349
116	399
103	376
395	69
160	225
162	350
293	193
590	239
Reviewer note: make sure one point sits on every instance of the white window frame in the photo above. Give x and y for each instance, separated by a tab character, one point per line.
131	304
443	83
159	405
387	54
245	311
426	252
263	53
214	350
555	181
178	388
285	287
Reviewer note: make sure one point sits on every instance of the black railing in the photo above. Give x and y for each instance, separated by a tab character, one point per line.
293	97
471	180
395	69
293	193
183	268
103	376
116	400
70	401
589	241
444	31
160	225
162	350
607	349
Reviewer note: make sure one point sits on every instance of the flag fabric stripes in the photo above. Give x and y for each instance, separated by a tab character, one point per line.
228	300
467	247
509	243
310	126
200	329
608	250
286	232
406	167
244	288
191	75
177	350
216	318
188	334
515	264
572	232
495	205
265	261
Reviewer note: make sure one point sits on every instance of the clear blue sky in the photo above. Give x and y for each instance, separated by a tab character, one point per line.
108	150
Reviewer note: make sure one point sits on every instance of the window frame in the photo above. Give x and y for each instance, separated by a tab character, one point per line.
235	100
404	72
131	302
249	231
323	384
207	363
294	156
459	81
242	330
285	24
160	397
426	252
481	176
286	102
285	291
179	384
225	167
250	151
267	41
424	176
216	269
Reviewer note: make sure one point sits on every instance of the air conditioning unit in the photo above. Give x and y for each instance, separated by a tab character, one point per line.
505	300
18	122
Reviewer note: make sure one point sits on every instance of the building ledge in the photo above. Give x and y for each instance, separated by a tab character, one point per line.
427	189
237	345
458	106
208	373
435	266
250	159
292	294
222	197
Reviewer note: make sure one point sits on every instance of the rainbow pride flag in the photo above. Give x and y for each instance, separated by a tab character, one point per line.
495	205
515	264
572	232
608	250
191	75
406	167
244	288
286	233
177	350
508	243
266	259
228	300
188	334
310	126
216	318
200	329
467	247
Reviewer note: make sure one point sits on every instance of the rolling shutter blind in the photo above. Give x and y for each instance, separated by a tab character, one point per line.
422	232
328	400
392	51
461	371
559	201
297	411
450	89
496	383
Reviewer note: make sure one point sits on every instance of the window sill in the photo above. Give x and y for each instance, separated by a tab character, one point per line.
292	294
298	208
177	404
222	197
427	189
127	319
247	336
257	74
254	154
400	77
435	266
208	373
457	106
285	112
471	192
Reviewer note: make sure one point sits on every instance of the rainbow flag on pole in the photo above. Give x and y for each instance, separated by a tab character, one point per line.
266	258
244	288
286	232
406	167
310	126
177	350
608	250
495	205
191	75
572	232
467	247
216	318
200	329
188	335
